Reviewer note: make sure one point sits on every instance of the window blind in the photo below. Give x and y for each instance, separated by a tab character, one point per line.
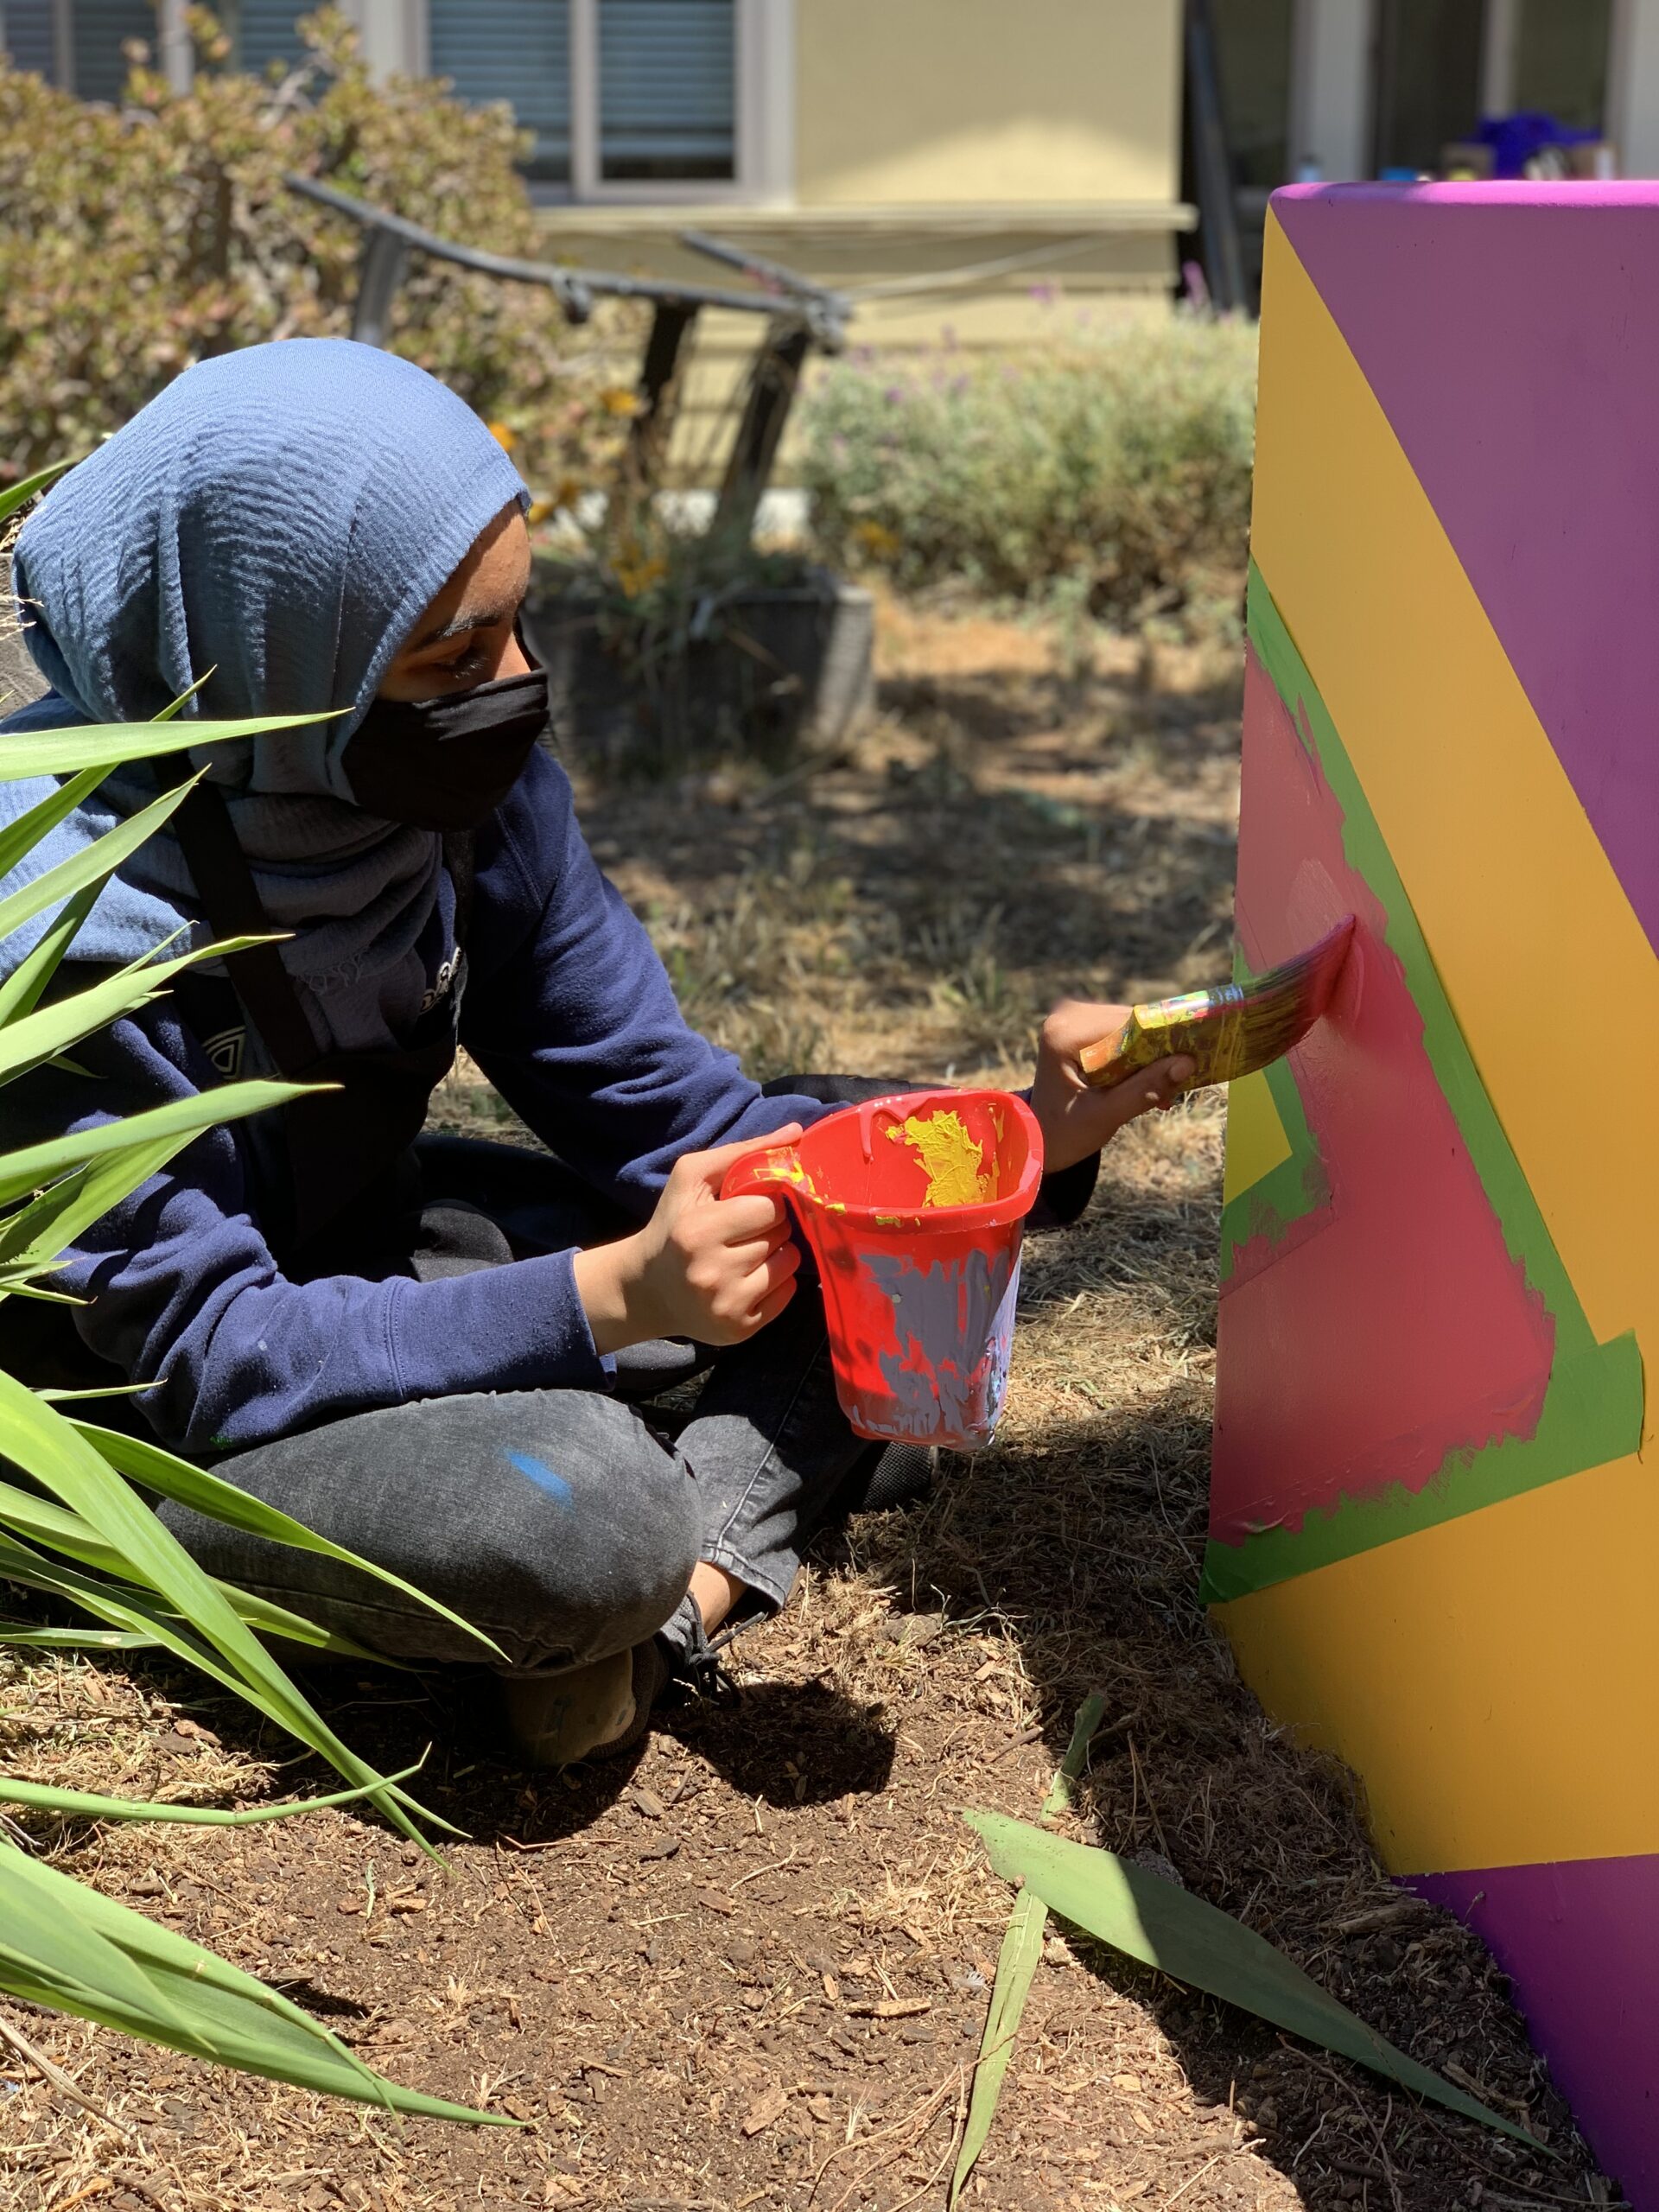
265	32
101	27
26	29
667	90
513	50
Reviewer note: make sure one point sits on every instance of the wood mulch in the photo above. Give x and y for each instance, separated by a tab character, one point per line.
751	1968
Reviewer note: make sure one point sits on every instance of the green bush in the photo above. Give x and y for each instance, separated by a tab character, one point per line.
1111	471
137	239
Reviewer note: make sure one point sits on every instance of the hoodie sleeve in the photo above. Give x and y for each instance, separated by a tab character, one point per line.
569	1012
180	1288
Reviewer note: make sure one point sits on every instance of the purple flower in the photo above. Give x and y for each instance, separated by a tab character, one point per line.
1044	295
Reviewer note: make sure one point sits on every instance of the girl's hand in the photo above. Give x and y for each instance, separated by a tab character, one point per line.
711	1269
1074	1120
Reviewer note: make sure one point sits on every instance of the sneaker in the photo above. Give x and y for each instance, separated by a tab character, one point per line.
903	1473
581	1712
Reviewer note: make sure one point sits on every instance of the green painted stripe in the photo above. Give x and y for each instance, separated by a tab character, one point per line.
1296	1187
1592	1408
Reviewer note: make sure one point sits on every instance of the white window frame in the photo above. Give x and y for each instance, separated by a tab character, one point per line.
763	109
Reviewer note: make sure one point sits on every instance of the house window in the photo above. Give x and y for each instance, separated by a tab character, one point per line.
513	50
621	99
667	91
1429	80
1253	59
626	98
28	31
100	30
1559	64
261	32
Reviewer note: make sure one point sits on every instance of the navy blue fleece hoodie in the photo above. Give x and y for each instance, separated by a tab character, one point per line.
568	1011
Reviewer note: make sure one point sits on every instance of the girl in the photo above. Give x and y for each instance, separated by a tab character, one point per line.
430	1350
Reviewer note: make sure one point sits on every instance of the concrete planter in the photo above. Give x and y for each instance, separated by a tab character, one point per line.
774	671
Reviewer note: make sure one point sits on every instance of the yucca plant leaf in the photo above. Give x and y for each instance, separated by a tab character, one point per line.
1162	1925
77	1639
136	1610
22	991
40	1521
1016	1962
100	1390
49	1448
20	837
65	1946
89	863
35	1166
222	1501
53	1029
36	1235
25	752
80	1804
19	495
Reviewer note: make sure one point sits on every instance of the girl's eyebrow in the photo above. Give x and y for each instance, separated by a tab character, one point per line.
460	625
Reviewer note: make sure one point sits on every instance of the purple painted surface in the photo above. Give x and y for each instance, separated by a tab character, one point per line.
1581	1941
1510	333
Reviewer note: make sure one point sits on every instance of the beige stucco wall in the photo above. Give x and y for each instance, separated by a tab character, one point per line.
920	102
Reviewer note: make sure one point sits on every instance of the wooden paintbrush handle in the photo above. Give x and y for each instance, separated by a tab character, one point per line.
1096	1060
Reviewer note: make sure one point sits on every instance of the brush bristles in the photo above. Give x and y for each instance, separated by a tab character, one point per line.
1231	1031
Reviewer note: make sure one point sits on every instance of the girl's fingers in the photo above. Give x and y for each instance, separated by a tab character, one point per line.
741	1221
770	1308
756	1252
778	1267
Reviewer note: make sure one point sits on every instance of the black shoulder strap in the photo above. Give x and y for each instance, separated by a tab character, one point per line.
460	859
208	839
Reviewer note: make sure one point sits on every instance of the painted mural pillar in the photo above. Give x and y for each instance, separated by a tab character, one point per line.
1435	1515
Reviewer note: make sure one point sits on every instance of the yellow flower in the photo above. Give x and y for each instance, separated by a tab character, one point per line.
620	399
876	539
504	438
635	577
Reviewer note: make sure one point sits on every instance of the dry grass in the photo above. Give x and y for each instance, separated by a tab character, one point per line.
674	1973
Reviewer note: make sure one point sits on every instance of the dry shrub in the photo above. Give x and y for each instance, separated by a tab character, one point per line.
1110	473
140	239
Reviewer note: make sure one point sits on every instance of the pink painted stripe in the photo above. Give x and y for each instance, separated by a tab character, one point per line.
1395	1329
1510	335
1581	1941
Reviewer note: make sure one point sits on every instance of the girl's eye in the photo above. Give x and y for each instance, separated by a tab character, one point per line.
465	666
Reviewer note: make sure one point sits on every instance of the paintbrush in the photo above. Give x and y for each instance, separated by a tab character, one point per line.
1231	1031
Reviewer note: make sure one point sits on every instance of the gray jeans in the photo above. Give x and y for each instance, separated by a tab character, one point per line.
564	1523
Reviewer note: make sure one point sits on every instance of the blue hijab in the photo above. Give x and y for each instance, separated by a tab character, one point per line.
279	516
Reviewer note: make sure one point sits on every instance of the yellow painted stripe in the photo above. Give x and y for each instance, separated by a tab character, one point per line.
1493	1679
1548	970
1256	1142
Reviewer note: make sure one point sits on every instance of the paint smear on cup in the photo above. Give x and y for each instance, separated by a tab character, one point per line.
950	1160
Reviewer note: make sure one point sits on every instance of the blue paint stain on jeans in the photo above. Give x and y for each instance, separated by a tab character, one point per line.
542	1475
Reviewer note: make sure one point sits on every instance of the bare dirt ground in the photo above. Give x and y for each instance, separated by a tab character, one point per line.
751	1970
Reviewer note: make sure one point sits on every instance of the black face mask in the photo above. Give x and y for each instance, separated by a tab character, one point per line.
446	764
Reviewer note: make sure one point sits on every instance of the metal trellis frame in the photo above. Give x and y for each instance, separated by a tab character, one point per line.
798	315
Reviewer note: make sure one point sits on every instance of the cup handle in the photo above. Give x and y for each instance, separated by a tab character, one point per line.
760	1170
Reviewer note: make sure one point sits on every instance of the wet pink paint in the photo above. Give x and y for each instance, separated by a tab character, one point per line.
1392	1328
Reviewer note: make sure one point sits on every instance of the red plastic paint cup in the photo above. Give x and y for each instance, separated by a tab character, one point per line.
914	1207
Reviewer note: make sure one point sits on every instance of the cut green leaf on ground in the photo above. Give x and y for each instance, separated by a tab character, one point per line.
1162	1925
